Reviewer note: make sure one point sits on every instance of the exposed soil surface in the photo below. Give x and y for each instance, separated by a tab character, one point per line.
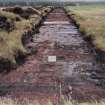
71	75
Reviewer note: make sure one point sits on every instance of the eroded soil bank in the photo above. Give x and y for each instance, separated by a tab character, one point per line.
72	75
17	27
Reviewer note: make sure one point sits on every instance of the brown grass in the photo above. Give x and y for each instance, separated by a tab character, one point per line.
11	43
91	19
25	101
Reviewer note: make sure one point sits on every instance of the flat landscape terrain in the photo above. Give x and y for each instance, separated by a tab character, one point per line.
16	24
45	58
91	21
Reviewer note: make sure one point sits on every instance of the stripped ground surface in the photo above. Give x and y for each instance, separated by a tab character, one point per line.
70	75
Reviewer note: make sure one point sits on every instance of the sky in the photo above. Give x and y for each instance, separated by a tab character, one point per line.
83	0
57	0
76	0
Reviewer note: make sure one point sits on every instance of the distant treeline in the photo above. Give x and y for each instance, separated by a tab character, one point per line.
42	2
32	3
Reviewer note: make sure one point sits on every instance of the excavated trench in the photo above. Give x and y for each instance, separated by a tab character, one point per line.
73	74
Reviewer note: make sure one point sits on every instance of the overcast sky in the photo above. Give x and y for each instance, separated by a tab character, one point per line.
83	0
75	0
57	0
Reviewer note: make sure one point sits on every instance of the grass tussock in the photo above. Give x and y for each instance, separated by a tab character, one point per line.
10	16
84	103
25	101
91	19
11	41
9	101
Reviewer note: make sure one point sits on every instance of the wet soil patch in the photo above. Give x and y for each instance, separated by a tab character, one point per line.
6	65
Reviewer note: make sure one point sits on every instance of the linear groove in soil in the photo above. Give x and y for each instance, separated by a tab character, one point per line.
74	69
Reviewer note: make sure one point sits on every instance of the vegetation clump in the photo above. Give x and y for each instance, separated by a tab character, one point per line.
13	25
91	22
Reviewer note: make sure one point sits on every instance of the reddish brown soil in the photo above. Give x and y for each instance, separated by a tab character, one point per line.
71	74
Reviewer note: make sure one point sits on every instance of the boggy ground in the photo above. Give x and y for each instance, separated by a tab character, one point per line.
17	25
72	75
90	19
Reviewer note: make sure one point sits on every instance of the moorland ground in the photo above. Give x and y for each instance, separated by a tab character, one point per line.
91	21
14	23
